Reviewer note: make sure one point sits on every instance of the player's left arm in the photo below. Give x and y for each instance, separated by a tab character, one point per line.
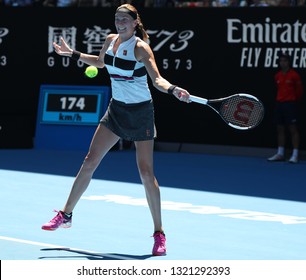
144	54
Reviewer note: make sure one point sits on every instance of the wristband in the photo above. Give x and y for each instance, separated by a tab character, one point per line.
75	55
171	89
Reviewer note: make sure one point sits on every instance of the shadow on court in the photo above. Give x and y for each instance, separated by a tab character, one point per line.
93	255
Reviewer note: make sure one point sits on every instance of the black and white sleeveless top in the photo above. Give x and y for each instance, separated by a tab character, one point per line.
128	76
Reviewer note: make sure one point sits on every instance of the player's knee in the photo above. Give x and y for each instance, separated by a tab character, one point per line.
145	172
91	162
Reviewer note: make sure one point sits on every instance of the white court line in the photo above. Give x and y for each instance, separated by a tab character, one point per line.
203	209
29	242
59	247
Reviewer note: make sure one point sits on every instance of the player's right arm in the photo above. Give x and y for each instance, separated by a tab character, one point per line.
64	49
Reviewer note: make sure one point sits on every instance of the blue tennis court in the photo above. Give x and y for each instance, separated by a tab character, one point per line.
225	216
214	207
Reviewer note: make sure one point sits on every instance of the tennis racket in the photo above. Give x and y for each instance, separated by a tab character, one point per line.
240	111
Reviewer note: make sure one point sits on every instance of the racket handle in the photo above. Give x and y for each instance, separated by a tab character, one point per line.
198	99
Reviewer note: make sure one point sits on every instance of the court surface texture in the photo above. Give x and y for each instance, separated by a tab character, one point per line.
214	207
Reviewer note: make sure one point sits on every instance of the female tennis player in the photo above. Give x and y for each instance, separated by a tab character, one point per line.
130	114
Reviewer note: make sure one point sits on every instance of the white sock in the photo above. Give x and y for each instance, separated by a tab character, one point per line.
295	153
281	150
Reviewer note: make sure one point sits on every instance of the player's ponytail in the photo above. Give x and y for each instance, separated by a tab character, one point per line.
140	31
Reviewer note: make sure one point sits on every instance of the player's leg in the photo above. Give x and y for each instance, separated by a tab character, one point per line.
144	156
102	141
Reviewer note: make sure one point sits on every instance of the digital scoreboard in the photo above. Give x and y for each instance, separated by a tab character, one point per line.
73	105
67	116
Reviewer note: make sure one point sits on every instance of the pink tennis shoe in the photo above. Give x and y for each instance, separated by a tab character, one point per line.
62	221
59	221
159	248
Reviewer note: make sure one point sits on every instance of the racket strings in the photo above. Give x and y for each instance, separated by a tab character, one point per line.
242	111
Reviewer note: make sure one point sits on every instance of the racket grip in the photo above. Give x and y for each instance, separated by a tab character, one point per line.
198	99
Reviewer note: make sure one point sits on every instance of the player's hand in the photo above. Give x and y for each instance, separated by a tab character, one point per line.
62	48
181	94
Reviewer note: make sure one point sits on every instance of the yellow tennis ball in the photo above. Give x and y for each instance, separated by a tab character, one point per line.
91	71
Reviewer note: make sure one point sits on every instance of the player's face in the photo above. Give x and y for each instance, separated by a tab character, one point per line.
124	23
